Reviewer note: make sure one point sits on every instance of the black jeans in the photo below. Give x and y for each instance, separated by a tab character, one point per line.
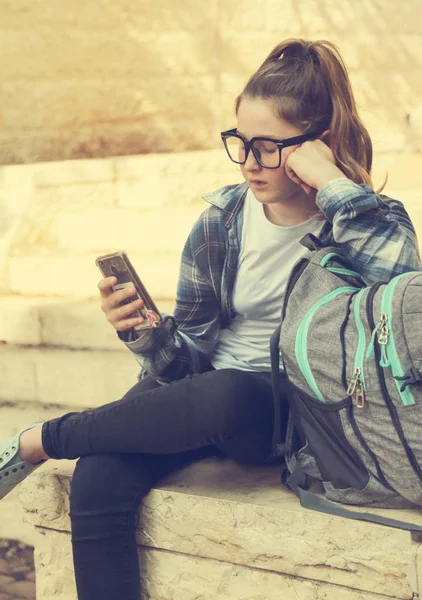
127	446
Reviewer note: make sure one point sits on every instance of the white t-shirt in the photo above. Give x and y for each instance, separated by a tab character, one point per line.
267	254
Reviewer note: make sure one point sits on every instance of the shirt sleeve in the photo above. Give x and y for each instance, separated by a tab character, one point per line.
185	343
374	232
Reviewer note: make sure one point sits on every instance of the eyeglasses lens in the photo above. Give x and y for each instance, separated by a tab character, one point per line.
236	149
266	152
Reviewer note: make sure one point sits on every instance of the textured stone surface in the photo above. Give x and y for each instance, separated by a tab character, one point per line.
169	575
220	511
76	324
148	230
17	574
13	418
123	78
76	276
65	377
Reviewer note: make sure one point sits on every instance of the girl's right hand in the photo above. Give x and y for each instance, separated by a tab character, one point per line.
117	313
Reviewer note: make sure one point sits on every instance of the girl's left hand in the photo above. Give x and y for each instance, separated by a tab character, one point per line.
312	165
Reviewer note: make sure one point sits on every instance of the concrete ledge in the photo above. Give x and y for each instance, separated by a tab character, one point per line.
218	530
13	418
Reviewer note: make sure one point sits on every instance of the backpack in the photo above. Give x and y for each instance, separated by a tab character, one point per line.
352	355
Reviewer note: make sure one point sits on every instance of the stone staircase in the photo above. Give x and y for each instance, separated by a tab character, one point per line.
58	353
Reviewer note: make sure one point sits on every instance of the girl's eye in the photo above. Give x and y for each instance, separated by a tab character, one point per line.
270	149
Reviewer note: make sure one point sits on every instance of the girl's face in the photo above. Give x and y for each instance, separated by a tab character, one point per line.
257	117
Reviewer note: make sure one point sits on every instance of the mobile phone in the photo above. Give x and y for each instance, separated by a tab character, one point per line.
117	264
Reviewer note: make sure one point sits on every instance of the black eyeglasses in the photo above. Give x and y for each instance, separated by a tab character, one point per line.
266	150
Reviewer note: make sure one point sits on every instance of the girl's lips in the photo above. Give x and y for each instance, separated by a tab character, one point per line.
257	182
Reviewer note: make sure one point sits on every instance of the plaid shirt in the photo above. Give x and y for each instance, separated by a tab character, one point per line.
375	232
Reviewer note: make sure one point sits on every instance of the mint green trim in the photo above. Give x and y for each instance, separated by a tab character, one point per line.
343	272
325	259
360	352
370	351
390	357
301	343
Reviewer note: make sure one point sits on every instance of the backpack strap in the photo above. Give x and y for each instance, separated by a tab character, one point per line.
311	242
310	500
275	381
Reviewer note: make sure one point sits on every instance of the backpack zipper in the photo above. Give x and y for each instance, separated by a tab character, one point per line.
357	386
389	354
381	376
301	350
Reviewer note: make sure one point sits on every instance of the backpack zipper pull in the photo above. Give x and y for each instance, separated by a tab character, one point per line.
353	382
360	395
383	332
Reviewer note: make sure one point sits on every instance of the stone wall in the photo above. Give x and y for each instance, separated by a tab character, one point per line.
113	77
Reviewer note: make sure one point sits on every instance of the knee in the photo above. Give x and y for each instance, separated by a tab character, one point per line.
104	483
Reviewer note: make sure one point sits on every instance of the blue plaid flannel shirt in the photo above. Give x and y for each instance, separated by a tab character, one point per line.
373	230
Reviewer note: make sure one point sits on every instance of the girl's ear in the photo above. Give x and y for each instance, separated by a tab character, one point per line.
325	137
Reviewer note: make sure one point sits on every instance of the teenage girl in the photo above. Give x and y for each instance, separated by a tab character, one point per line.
306	160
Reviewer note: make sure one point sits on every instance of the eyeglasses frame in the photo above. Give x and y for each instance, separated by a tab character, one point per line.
299	139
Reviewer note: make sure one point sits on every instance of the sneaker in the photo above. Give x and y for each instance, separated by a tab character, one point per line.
13	469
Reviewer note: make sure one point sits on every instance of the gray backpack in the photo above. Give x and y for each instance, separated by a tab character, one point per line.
353	357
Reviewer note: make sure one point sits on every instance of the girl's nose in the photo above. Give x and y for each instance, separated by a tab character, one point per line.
251	163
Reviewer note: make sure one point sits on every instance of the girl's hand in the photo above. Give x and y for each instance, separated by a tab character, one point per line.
312	165
117	306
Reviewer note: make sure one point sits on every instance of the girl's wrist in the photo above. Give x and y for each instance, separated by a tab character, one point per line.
328	176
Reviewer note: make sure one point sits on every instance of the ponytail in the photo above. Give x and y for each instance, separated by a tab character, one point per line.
312	90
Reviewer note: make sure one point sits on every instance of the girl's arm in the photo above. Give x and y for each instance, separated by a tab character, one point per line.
183	346
374	232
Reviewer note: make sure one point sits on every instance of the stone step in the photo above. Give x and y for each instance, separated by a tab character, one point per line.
59	376
219	530
75	275
162	230
65	322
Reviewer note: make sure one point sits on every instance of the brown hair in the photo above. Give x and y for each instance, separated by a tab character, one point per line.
311	87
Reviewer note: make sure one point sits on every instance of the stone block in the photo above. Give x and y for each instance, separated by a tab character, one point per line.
18	375
19	321
73	172
76	276
84	378
240	516
16	194
82	324
173	180
13	418
164	230
64	377
78	197
75	324
183	164
171	575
